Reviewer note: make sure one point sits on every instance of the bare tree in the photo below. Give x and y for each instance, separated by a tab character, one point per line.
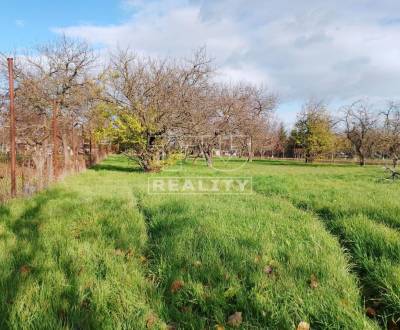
360	128
49	88
390	137
253	114
220	113
155	96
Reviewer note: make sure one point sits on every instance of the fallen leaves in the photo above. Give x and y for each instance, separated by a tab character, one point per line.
303	326
313	282
151	320
371	312
268	270
219	327
25	270
235	320
176	286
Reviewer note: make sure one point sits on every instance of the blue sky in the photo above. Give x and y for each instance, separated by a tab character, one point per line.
335	50
25	23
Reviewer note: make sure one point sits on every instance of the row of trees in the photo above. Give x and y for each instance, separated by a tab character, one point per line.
154	108
360	129
54	97
148	107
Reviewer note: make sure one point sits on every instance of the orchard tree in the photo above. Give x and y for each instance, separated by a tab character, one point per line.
281	140
222	112
254	111
361	128
49	88
313	131
204	122
390	137
150	100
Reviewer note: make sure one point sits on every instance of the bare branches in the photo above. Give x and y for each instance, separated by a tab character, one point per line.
179	98
60	68
360	128
390	136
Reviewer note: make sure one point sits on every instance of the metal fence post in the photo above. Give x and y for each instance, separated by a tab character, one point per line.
13	147
54	125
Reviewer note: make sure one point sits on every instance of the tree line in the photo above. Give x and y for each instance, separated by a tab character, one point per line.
361	130
155	109
146	106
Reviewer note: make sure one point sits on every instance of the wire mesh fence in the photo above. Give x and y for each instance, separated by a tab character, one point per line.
43	147
38	167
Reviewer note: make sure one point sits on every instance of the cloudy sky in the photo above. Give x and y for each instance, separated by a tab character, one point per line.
336	50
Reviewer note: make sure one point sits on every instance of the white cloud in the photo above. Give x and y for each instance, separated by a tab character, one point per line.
336	50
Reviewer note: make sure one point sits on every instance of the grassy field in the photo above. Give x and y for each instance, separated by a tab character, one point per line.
315	243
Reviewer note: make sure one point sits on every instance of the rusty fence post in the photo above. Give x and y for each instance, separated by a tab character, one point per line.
54	130
90	149
13	147
74	148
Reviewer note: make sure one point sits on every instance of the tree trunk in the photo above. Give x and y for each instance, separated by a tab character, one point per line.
361	157
361	160
74	150
90	149
67	158
250	159
39	160
207	153
309	158
54	133
146	164
208	157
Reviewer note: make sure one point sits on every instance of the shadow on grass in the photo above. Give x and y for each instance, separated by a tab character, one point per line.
207	265
301	163
373	292
4	211
26	269
116	168
57	259
26	231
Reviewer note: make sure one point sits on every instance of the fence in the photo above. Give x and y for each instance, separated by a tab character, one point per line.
33	175
63	146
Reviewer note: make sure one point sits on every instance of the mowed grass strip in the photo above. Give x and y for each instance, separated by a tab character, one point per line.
362	210
70	258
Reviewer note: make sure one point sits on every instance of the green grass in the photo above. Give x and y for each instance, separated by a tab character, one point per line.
97	251
70	258
363	211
